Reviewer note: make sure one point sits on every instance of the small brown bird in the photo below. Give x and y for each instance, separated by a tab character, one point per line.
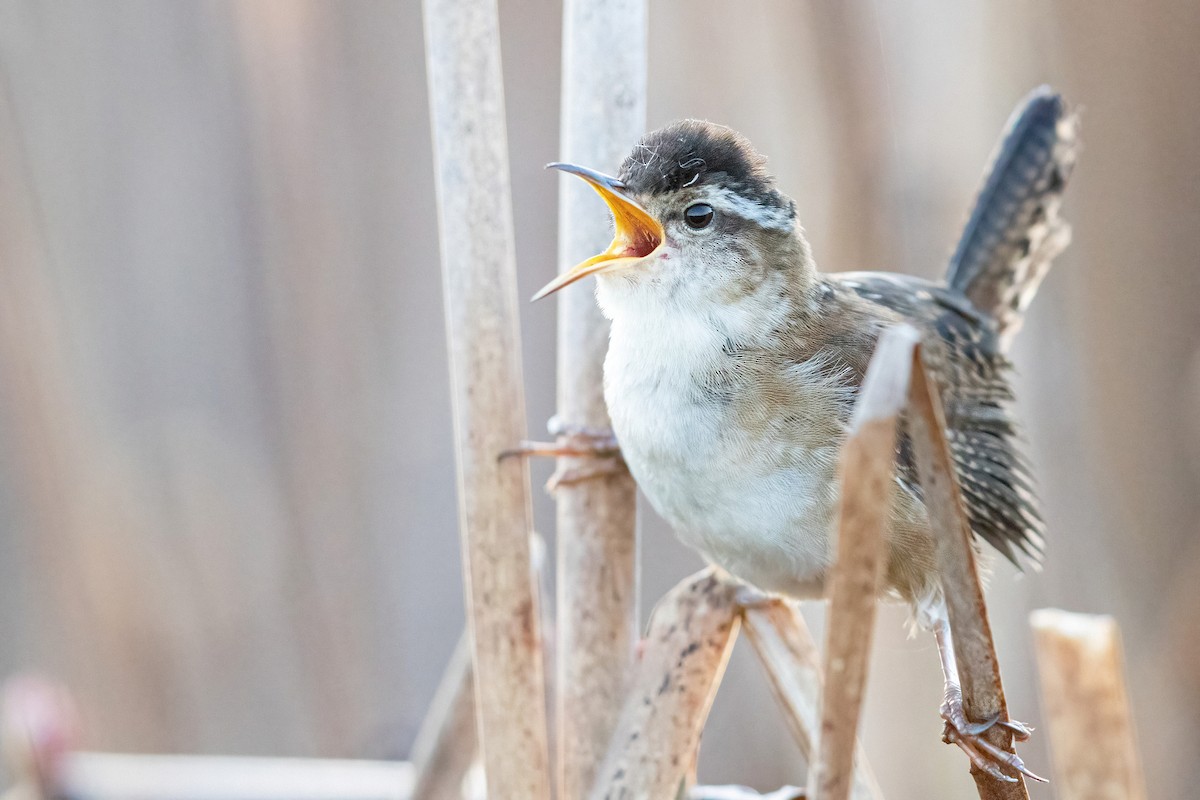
733	364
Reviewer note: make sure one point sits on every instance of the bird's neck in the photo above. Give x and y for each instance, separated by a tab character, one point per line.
772	296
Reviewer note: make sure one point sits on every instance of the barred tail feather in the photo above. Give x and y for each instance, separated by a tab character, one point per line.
1015	231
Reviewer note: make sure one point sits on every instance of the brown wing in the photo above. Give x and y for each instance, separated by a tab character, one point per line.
962	351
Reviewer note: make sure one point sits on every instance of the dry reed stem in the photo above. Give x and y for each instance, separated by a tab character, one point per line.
603	113
1092	737
110	776
978	667
691	635
479	282
447	744
867	470
793	666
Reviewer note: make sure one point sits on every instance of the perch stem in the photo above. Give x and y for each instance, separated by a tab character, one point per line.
974	650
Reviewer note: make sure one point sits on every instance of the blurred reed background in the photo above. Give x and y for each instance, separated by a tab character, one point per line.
227	514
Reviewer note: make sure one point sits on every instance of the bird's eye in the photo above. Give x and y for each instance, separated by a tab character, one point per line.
698	216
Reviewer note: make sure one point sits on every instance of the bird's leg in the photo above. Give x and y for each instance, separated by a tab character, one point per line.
574	441
751	597
969	735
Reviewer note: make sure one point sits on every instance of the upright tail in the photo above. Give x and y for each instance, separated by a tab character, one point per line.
1014	230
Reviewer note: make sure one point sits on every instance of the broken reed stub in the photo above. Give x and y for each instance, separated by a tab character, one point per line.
1093	744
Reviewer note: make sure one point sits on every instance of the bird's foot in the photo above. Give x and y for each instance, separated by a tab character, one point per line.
969	736
571	475
574	441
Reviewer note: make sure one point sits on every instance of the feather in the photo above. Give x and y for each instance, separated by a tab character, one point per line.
1014	230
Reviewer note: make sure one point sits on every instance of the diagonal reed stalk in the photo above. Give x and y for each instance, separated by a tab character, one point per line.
789	655
974	649
690	638
446	744
867	468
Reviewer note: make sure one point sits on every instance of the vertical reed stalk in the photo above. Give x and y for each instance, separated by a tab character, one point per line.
479	282
1092	739
603	113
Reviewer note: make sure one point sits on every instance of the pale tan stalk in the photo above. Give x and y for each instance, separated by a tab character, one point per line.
867	478
603	114
691	635
479	282
974	650
1092	739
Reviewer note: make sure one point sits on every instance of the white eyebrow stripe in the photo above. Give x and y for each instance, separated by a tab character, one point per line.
775	218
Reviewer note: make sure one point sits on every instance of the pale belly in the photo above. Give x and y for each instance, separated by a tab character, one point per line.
759	503
740	457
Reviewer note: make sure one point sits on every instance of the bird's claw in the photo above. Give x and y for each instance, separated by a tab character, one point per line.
573	475
975	728
573	441
969	737
1019	730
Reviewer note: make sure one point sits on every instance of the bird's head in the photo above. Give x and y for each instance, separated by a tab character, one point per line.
697	219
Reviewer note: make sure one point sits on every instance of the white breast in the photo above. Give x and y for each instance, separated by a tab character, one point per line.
756	499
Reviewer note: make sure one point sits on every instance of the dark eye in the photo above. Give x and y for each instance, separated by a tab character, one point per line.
698	215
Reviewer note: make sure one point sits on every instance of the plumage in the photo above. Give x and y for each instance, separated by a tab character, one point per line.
734	365
963	352
694	153
1014	230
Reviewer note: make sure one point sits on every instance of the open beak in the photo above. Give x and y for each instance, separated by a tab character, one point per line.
638	234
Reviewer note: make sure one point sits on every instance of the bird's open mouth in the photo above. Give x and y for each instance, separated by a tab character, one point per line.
637	235
642	246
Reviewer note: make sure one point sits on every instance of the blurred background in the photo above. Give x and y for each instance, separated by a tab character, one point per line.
227	511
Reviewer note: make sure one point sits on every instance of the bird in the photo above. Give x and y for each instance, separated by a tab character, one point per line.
734	364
